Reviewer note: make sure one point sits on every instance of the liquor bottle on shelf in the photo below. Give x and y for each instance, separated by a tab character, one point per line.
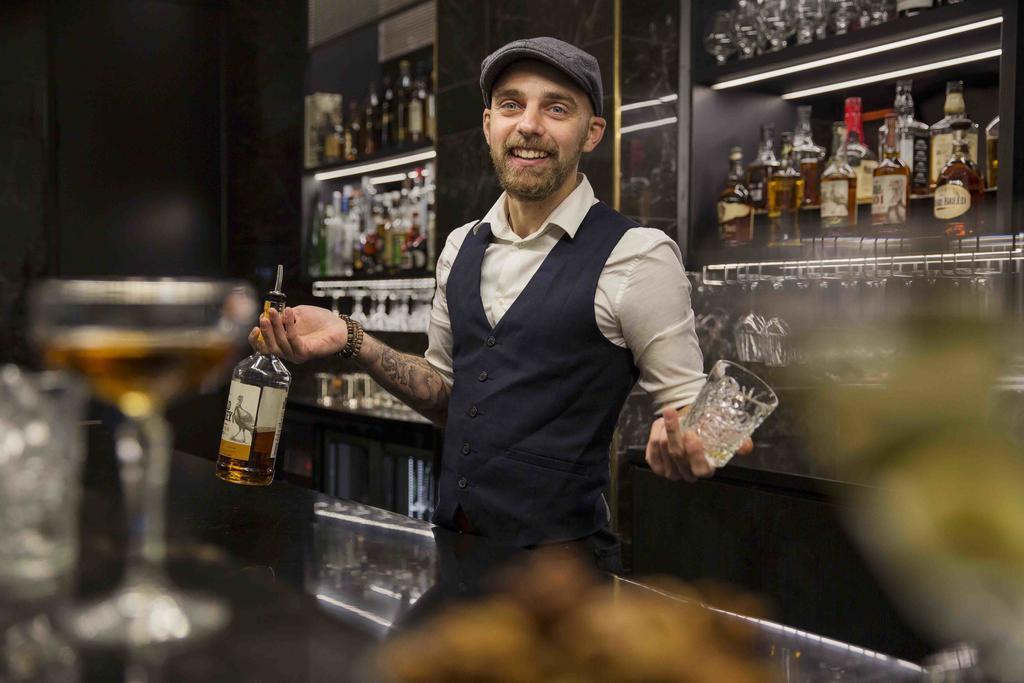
388	116
762	167
908	8
807	158
431	110
371	127
838	188
861	158
318	242
942	131
353	132
992	153
333	143
891	195
785	190
960	189
912	138
416	246
403	99
255	411
417	108
735	212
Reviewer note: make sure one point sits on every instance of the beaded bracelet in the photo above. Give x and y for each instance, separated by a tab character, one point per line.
354	340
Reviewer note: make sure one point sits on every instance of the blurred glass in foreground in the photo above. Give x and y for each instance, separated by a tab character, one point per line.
141	344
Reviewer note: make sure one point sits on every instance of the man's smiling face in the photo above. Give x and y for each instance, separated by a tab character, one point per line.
538	125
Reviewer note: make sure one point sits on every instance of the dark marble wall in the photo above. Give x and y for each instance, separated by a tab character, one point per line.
265	61
24	178
469	30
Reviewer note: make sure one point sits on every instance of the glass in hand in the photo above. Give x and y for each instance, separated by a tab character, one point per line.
732	404
140	344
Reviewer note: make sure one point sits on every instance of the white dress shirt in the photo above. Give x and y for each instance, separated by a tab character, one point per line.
642	301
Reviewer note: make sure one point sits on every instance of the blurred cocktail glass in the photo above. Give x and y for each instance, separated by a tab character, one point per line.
732	404
140	344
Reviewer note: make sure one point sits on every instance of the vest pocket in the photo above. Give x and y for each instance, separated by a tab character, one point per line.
548	463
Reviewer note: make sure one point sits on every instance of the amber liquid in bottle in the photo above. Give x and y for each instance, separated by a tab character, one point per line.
890	199
960	189
761	169
255	412
838	189
785	188
735	214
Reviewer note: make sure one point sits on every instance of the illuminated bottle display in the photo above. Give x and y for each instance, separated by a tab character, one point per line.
255	411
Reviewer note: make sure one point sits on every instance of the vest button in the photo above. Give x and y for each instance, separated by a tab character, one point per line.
465	449
463	482
473	411
482	376
491	341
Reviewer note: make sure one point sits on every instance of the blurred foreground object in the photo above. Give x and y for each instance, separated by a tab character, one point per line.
942	515
40	460
554	621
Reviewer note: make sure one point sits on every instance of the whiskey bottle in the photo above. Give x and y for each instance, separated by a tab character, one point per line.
942	131
371	124
891	193
403	98
911	139
431	110
417	107
838	188
353	133
255	411
388	116
761	168
785	188
861	158
992	153
735	213
807	157
960	189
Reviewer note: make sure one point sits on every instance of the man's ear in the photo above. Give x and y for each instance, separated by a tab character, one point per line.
595	132
487	125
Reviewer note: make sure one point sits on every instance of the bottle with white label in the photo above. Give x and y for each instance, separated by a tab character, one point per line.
912	139
891	192
255	411
838	189
960	188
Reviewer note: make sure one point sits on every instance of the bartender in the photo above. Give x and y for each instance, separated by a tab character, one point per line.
546	312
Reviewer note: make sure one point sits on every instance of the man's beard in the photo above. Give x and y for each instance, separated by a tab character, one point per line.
534	185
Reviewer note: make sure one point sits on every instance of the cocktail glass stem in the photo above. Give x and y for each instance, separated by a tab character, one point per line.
144	456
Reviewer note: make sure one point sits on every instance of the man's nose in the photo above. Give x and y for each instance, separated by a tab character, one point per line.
530	122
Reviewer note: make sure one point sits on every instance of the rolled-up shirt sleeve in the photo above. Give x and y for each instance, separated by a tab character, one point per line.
439	331
657	323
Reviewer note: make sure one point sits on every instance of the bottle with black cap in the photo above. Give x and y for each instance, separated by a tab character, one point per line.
255	411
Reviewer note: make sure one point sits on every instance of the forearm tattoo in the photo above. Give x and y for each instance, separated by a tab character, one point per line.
410	378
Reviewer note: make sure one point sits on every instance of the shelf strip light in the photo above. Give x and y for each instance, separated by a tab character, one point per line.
650	103
376	165
856	54
648	124
889	75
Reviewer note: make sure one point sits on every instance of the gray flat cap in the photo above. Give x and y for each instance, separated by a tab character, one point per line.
581	67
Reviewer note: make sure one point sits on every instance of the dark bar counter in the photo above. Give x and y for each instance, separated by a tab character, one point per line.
315	582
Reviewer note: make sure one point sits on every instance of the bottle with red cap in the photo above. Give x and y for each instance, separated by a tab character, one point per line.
858	155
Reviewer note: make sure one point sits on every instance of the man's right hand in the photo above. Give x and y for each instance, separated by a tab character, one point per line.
299	334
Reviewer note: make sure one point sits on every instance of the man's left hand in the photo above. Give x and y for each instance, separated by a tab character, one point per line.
677	454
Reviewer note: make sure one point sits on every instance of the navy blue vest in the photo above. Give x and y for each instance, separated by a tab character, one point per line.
535	399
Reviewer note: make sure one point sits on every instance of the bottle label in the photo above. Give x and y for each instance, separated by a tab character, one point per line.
889	202
942	150
835	197
730	211
253	413
951	201
905	5
918	163
865	171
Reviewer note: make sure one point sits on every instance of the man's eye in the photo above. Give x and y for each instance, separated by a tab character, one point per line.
559	109
508	105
